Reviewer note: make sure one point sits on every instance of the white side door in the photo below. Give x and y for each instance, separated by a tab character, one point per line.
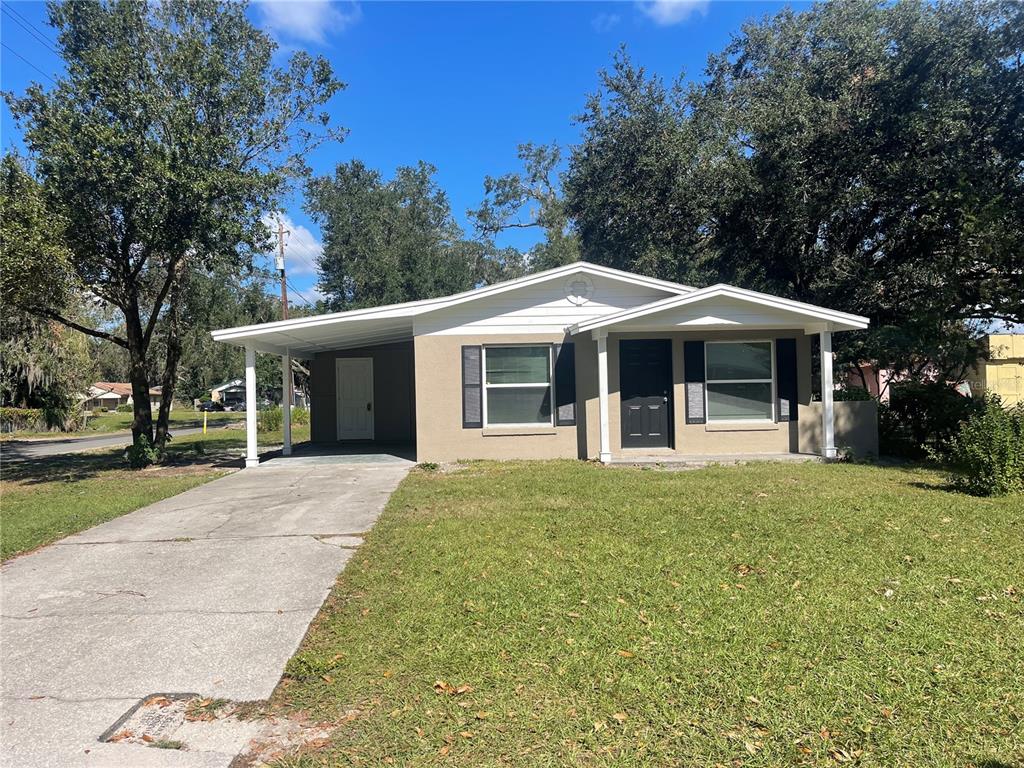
355	398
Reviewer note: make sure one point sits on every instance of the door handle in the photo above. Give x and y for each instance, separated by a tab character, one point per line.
369	406
664	399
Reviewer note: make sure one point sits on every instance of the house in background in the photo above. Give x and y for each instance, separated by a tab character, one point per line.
580	361
230	393
1003	372
110	394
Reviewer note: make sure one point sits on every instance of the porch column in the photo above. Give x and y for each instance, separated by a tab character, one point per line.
601	335
286	403
251	455
828	430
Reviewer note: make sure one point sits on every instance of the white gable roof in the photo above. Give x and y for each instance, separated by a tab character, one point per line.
395	322
724	306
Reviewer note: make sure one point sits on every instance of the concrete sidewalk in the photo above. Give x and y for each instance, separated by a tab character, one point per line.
209	592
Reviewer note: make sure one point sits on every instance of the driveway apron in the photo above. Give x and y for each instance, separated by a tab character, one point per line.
208	592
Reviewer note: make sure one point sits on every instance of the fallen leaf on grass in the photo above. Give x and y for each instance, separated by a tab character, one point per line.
625	654
446	688
620	717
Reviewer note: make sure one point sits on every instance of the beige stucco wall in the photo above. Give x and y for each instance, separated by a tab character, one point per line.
440	436
394	402
856	427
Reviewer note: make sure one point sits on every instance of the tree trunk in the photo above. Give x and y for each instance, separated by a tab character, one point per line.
171	364
142	423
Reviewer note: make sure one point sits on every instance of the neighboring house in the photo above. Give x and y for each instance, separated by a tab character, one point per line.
110	394
1003	372
580	361
229	393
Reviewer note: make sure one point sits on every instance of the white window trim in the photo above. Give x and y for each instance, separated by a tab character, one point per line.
550	385
707	381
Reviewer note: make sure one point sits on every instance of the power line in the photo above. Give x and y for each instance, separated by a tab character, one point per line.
37	69
27	27
37	29
299	294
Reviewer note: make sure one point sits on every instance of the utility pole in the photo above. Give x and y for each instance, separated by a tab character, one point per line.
281	231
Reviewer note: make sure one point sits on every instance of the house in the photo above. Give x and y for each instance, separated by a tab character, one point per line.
229	393
579	361
1003	372
110	394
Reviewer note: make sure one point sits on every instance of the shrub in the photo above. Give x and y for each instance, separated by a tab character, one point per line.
300	416
141	453
125	408
13	419
920	419
986	456
269	420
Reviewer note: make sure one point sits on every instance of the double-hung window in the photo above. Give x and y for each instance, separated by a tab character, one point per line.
740	381
517	386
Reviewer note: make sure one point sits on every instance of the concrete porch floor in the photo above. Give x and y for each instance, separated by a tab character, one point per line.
317	454
669	458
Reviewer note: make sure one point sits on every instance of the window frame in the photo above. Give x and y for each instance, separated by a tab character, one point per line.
550	385
708	381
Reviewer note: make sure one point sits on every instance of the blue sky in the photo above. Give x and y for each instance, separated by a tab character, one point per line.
459	85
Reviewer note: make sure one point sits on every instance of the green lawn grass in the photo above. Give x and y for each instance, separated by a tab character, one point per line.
776	614
113	421
43	500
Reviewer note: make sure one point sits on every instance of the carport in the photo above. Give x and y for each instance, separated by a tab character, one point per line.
362	388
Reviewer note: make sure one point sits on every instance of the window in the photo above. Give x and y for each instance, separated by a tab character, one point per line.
517	386
739	381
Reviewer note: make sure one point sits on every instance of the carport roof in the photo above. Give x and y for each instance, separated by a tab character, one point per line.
305	336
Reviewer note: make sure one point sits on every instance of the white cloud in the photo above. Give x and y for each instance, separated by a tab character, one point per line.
309	20
665	13
603	22
301	247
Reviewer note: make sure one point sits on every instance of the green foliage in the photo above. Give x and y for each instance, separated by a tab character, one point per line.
17	419
124	408
269	419
987	455
392	241
860	155
159	152
920	418
141	453
300	416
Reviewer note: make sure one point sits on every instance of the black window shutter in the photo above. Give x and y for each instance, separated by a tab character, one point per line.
693	375
565	385
785	373
472	388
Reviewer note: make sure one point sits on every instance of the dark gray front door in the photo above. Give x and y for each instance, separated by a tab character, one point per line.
645	386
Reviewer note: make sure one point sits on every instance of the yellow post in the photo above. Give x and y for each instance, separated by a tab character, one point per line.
204	422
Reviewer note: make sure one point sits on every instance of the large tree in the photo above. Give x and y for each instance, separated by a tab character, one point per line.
389	241
161	149
42	365
862	155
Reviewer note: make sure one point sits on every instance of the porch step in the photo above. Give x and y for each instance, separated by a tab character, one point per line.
696	461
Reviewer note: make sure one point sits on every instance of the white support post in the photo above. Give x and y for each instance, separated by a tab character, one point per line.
252	457
286	403
601	336
828	428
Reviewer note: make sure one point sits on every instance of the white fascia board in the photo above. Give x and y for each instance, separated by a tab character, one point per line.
412	308
728	291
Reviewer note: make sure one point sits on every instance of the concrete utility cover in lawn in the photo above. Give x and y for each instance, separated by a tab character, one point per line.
209	592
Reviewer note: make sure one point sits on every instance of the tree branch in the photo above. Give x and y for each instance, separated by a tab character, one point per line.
86	330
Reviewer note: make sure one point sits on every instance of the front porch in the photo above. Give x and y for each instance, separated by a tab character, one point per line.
719	374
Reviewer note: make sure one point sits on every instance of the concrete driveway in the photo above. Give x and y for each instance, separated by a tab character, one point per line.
208	592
